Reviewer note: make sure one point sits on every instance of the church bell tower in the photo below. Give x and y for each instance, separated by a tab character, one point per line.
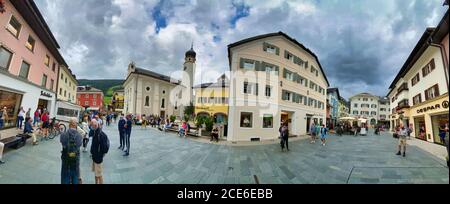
189	68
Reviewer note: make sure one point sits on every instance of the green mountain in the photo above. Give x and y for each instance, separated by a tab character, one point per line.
106	85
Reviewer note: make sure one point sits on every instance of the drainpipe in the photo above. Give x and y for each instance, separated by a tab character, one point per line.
444	57
135	95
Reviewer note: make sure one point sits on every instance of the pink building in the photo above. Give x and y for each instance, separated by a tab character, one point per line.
29	60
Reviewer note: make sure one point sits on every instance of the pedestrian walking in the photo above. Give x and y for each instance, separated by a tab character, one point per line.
317	126
45	124
99	147
28	115
284	136
36	117
121	128
215	134
402	133
108	119
323	134
410	130
20	118
71	142
128	127
312	132
442	133
3	117
99	120
87	131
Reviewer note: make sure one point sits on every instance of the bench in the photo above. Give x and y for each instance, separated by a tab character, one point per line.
15	142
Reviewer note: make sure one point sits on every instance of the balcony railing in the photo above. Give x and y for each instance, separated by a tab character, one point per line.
403	87
403	104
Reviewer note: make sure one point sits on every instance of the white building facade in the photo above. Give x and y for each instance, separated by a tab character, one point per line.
419	93
274	79
370	107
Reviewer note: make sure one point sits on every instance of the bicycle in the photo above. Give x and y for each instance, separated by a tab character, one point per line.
56	129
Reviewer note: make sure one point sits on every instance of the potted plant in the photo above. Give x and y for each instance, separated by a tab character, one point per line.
172	118
209	123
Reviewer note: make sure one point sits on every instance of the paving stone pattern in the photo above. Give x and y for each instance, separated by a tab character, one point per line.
157	157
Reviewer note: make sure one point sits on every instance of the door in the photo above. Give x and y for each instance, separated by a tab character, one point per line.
308	123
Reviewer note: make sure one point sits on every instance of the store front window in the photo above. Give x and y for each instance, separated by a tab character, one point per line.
43	104
12	103
438	121
419	128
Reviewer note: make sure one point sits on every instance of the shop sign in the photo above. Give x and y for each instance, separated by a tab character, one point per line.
43	93
437	106
203	108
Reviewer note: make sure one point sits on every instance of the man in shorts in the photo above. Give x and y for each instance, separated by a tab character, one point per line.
99	147
402	134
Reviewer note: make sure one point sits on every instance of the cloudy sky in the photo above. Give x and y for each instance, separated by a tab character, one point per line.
360	43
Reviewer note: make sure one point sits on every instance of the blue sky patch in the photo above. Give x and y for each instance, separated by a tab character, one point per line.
241	11
160	20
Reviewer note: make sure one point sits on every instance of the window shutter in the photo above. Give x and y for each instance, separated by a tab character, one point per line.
283	95
436	90
284	73
256	88
286	53
277	50
432	65
306	65
258	65
423	72
306	82
426	95
241	64
420	98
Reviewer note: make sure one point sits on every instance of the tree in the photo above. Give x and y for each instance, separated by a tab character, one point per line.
189	111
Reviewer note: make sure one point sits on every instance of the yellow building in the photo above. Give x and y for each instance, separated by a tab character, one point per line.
211	99
67	85
118	100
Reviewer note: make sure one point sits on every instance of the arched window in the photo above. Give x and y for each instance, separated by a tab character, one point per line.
147	101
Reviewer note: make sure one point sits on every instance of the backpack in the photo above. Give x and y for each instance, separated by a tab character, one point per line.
104	143
70	154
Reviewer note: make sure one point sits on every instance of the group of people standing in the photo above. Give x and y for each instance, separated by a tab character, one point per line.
316	130
125	125
71	142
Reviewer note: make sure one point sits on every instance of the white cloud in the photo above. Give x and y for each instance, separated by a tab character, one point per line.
107	35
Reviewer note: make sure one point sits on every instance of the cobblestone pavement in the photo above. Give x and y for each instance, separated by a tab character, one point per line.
158	157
